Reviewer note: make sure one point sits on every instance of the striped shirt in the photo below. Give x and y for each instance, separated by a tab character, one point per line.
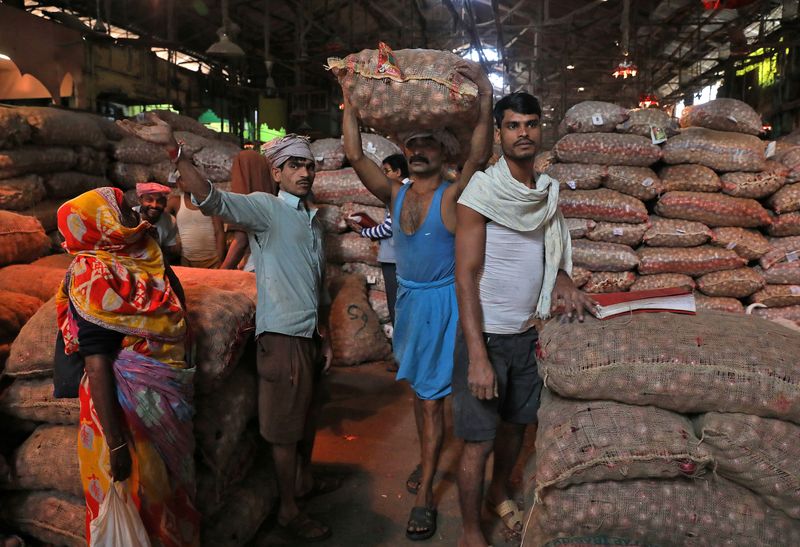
381	231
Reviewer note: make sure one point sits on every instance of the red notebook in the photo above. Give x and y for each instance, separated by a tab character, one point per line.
363	219
676	299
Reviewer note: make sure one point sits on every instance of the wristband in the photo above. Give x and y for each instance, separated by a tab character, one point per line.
175	155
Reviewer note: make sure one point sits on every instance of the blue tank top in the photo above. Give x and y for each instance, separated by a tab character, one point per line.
429	254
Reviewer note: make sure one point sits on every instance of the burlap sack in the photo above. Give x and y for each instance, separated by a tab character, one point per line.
33	350
541	163
247	506
602	205
593	441
607	149
46	212
15	310
689	178
661	512
421	90
663	281
748	244
50	447
378	148
328	154
641	121
91	161
713	209
580	276
617	232
378	214
785	200
350	247
53	126
379	304
717	303
760	454
605	282
776	296
790	158
723	115
32	159
221	322
134	150
355	330
59	261
216	160
126	175
577	176
17	278
783	273
692	261
222	415
372	274
229	280
179	122
20	193
213	487
719	150
668	232
677	362
639	182
22	239
594	117
755	185
603	257
738	283
72	183
340	187
33	400
579	228
49	516
14	128
782	249
785	225
792	313
331	218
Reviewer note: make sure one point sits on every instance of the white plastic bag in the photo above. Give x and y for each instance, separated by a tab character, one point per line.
118	522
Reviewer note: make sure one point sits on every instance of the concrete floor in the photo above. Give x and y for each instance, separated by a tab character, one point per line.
368	437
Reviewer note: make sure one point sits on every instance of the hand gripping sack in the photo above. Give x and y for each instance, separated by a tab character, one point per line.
118	522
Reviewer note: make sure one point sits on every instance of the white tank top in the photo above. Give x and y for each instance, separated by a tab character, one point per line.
511	279
197	234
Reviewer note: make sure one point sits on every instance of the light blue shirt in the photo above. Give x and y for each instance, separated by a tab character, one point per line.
287	245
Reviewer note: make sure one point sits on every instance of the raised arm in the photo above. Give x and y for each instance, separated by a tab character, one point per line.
480	147
250	211
370	174
470	252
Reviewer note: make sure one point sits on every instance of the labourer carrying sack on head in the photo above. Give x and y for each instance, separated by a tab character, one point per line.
426	312
291	315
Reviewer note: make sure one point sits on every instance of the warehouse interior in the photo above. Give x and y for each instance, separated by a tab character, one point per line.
664	202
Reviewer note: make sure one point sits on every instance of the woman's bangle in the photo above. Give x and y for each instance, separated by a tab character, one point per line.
123	445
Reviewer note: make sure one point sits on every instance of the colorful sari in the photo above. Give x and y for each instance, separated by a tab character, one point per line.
117	281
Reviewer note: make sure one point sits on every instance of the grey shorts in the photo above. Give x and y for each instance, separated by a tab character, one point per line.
519	386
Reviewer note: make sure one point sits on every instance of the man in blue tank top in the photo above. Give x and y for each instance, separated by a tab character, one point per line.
513	260
426	311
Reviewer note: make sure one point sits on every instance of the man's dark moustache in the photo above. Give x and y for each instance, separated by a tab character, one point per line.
418	158
524	141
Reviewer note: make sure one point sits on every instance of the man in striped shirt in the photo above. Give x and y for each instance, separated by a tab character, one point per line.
396	168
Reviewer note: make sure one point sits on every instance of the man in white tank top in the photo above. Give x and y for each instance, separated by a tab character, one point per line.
513	259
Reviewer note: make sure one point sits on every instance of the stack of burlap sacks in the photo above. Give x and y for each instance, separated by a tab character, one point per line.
717	216
41	488
48	155
134	160
359	311
667	429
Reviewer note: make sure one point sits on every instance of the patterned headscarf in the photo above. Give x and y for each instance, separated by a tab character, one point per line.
117	278
277	151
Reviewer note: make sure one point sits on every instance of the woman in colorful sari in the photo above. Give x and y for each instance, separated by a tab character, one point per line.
120	312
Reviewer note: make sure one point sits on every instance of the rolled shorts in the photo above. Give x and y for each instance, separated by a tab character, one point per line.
513	357
290	370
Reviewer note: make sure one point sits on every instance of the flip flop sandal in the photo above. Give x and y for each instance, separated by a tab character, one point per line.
424	518
302	527
322	485
510	513
414	480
